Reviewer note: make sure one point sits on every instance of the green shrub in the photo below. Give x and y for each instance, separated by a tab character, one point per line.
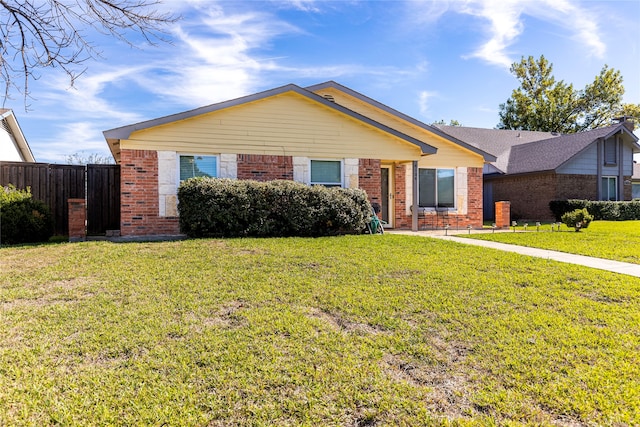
23	219
579	218
211	207
600	210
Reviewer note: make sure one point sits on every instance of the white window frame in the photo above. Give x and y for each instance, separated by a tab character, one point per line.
179	155
606	188
328	184
436	207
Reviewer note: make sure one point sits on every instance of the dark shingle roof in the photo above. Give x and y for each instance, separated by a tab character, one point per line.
526	151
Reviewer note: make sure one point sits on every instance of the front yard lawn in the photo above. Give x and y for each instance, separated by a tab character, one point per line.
616	240
355	331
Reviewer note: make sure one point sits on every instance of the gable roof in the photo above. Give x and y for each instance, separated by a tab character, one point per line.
488	157
10	124
526	151
113	136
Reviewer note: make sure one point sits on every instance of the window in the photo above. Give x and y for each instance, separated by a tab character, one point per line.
610	151
193	166
326	172
609	188
436	188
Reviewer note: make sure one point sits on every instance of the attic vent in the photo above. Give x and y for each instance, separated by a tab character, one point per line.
329	97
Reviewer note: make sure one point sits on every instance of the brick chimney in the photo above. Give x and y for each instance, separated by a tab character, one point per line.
626	121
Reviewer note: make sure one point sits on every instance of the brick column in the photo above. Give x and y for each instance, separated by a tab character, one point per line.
77	220
503	214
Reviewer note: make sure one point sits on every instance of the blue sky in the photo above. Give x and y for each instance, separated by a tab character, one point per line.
431	60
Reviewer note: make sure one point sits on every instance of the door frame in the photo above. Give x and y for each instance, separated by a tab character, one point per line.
388	198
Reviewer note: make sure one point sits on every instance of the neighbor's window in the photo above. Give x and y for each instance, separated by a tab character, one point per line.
610	151
326	172
635	190
193	166
609	188
436	188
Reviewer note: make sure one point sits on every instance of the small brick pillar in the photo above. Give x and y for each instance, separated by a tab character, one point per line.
77	220
503	214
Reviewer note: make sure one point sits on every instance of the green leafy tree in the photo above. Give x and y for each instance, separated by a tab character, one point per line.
543	104
441	122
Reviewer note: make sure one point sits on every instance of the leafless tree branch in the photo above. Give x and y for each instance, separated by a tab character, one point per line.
37	34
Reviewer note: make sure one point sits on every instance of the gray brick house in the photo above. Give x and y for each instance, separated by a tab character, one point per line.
533	168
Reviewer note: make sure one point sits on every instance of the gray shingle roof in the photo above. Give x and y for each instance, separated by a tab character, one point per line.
525	151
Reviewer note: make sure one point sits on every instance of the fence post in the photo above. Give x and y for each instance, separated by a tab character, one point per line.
77	220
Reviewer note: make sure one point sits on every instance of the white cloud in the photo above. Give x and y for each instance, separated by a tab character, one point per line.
423	101
506	24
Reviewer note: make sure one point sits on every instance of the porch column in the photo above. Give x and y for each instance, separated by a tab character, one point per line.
414	197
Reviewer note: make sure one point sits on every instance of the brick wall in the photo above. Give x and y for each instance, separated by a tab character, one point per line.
264	168
369	179
139	196
530	194
473	217
77	220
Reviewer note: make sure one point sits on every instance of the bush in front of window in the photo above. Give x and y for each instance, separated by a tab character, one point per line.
22	218
212	207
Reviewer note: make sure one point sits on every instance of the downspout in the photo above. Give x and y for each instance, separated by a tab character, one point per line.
414	197
600	147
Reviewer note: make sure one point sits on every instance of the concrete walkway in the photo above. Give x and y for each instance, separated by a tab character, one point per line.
599	263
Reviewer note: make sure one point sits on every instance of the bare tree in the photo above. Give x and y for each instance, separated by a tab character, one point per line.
81	158
36	34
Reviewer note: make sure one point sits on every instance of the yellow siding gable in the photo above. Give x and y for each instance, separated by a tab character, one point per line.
449	154
286	124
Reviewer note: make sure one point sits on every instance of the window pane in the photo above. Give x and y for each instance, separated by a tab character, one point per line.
445	188
427	188
610	151
193	166
326	172
609	188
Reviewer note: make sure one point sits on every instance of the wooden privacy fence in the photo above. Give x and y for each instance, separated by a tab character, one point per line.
55	184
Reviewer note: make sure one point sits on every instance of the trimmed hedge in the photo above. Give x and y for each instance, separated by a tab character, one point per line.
23	219
601	210
213	207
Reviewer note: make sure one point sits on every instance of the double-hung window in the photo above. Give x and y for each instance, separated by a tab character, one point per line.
192	166
609	188
326	172
436	188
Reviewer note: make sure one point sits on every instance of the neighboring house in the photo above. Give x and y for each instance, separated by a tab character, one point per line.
13	145
325	134
534	168
635	181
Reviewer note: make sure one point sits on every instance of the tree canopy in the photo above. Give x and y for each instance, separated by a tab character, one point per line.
543	104
38	34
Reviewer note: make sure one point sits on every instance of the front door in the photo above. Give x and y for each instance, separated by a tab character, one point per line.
386	195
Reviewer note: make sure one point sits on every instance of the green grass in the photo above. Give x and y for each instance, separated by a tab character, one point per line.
616	240
355	331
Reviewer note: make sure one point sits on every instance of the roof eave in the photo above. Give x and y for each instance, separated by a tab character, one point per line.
126	131
334	85
21	141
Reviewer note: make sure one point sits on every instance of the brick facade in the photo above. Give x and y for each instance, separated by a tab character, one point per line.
139	208
369	179
264	168
472	217
139	196
530	194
